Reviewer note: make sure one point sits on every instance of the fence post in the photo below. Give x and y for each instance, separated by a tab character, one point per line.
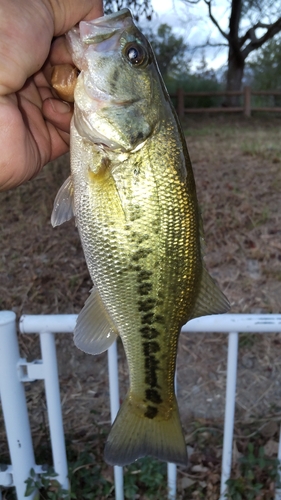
247	101
180	103
14	406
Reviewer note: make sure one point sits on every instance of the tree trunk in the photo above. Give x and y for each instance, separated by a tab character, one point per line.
235	73
236	62
241	46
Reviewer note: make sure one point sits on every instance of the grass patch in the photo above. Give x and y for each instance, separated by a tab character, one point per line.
262	147
256	476
88	481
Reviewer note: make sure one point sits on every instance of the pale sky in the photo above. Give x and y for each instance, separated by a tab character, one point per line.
192	22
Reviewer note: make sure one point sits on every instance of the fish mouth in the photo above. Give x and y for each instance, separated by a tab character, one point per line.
103	28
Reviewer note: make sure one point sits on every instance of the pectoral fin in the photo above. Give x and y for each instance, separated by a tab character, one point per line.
63	204
210	299
95	331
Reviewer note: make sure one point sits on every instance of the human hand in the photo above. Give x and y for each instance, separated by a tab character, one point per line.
34	125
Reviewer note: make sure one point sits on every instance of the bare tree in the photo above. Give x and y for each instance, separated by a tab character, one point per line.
262	16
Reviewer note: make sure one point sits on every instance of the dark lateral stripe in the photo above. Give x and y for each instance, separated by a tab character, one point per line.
144	288
151	411
150	348
151	379
144	275
142	237
149	332
141	254
138	237
153	396
136	268
151	363
147	318
159	319
146	305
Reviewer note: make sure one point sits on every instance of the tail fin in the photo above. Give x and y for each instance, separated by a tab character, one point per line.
134	435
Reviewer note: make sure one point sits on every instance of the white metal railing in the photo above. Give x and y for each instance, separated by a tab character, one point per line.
14	371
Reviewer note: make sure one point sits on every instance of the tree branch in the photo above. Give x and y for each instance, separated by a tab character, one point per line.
251	33
207	44
215	22
256	43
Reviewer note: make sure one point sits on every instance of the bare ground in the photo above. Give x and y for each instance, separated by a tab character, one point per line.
237	165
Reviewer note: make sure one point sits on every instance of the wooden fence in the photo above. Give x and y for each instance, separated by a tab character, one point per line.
246	108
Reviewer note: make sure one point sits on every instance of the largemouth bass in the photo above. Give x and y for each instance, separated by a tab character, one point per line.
133	195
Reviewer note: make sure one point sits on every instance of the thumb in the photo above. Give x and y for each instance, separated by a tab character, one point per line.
67	13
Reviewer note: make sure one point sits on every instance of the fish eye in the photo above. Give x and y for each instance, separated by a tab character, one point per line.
135	54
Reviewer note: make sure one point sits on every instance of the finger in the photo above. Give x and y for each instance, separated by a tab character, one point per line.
30	140
60	52
58	113
19	160
30	92
60	141
42	78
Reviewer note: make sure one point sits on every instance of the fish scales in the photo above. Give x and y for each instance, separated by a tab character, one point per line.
118	250
133	195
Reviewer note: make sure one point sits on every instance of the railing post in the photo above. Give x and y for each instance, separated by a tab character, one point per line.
180	103
247	101
14	406
172	468
232	355
51	379
114	407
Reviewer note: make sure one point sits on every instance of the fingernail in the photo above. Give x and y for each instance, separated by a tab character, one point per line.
61	107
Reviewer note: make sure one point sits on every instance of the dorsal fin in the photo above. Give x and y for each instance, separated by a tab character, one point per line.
95	331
